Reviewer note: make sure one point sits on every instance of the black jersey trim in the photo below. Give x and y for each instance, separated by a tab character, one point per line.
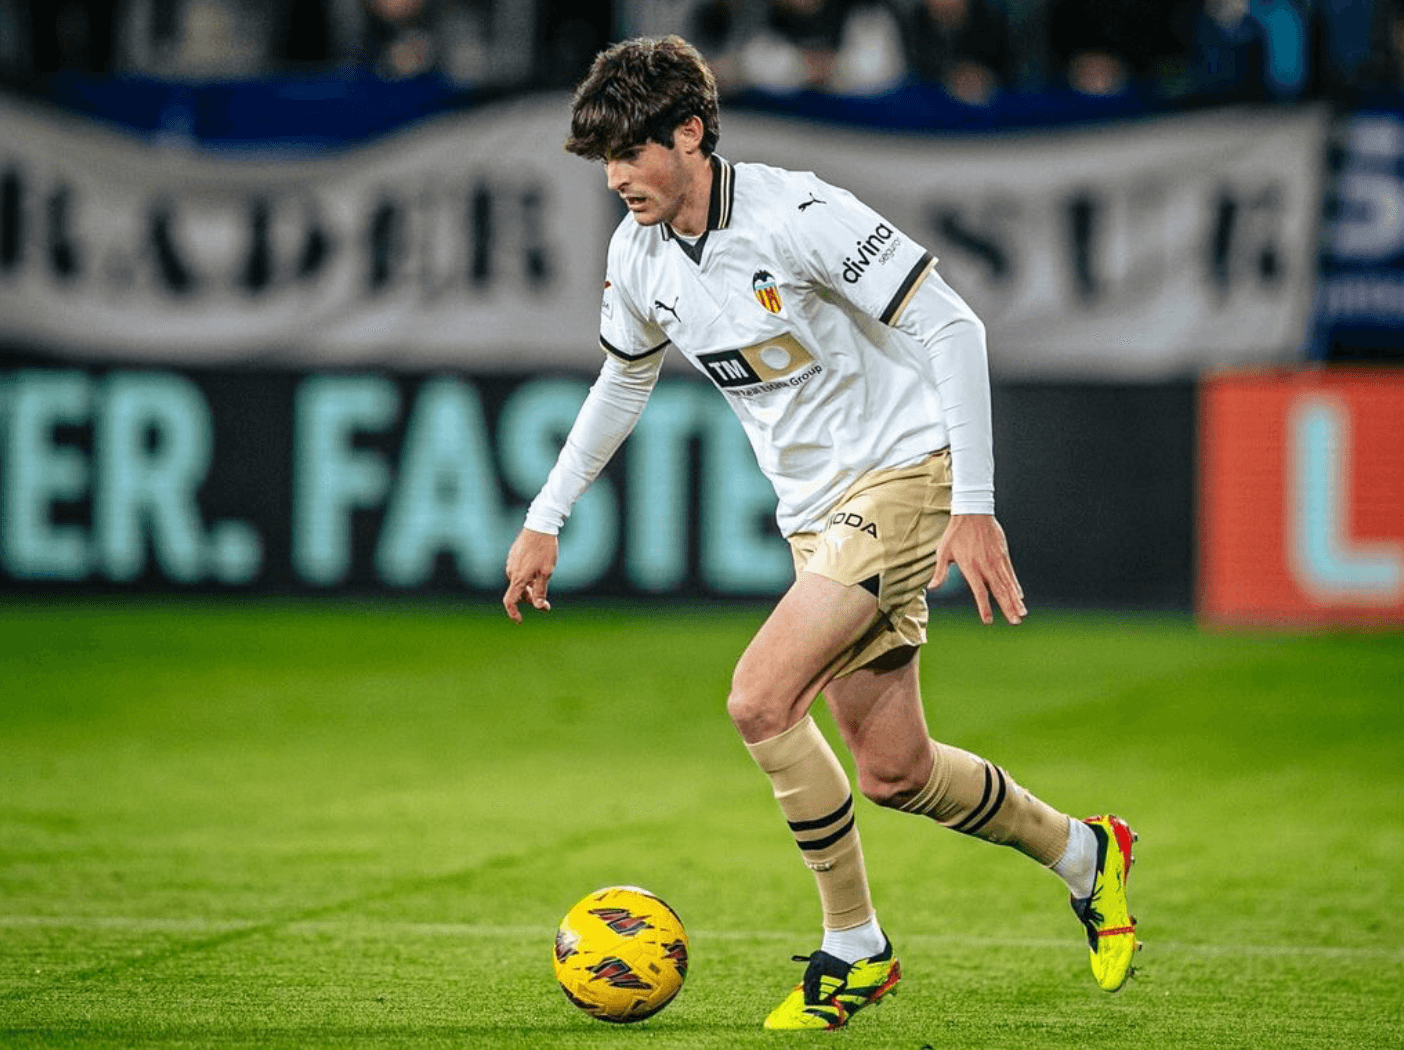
624	355
693	249
898	302
723	194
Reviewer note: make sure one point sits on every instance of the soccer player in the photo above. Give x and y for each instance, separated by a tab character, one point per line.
860	378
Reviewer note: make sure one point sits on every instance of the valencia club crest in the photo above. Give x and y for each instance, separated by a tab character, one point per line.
767	291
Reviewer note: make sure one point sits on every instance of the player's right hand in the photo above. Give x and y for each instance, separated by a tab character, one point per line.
976	544
530	563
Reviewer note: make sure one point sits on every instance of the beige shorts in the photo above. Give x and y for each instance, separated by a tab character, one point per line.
882	536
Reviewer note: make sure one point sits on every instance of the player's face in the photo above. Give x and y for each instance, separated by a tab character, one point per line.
652	180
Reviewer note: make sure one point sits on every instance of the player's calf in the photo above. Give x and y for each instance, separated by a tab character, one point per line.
968	794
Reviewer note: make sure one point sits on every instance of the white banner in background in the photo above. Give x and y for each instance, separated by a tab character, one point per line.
1142	250
1138	250
472	241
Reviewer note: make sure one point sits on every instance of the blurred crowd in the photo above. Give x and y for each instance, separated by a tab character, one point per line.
975	49
972	49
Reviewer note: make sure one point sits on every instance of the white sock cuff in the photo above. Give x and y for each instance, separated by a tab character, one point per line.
1078	864
856	942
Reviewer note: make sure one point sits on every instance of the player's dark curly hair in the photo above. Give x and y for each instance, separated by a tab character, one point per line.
639	91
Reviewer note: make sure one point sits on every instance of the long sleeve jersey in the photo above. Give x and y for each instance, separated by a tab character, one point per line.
829	332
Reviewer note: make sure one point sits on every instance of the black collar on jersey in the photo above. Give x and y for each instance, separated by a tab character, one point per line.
718	210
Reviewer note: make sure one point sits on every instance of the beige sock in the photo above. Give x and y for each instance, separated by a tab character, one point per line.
817	800
969	795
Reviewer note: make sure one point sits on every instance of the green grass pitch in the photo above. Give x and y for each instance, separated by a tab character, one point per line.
306	825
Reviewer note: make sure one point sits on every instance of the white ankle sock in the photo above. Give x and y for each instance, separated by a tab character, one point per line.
856	942
1078	864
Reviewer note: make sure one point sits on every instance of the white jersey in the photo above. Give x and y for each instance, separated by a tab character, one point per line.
826	328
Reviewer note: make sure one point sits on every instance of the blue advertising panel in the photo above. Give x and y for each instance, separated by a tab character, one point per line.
1360	296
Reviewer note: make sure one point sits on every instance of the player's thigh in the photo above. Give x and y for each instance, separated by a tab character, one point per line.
882	536
803	641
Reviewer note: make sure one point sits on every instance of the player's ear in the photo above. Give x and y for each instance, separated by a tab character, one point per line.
688	136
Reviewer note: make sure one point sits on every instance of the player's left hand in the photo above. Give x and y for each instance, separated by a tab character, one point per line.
976	543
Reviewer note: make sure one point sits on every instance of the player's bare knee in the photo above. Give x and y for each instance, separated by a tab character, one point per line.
755	716
890	784
757	713
892	791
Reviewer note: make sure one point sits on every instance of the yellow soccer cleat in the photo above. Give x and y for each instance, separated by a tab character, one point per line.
833	991
1111	931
